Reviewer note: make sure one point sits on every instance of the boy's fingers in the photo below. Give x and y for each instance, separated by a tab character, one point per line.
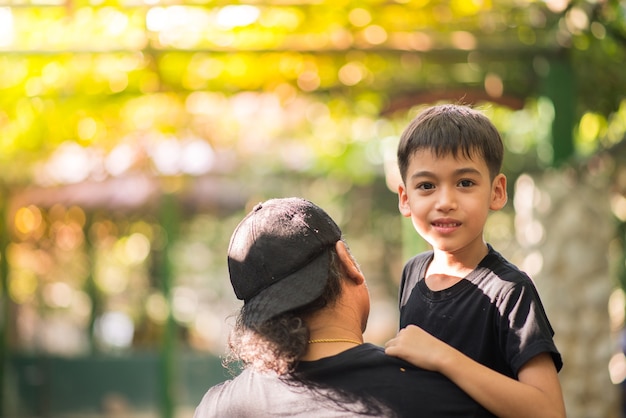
391	351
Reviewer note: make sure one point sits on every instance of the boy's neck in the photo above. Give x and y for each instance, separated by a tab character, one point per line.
447	269
456	264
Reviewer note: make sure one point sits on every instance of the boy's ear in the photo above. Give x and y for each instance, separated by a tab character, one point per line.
352	270
403	201
498	192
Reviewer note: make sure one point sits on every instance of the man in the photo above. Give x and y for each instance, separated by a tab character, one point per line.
299	333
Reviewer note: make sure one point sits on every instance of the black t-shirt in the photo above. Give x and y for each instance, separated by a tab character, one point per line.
494	315
345	385
410	391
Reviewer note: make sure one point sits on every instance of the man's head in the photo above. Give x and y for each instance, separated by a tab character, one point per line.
452	130
279	257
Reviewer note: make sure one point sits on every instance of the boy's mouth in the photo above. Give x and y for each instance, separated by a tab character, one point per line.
446	224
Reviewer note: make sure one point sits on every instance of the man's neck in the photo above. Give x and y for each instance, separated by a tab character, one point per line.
337	329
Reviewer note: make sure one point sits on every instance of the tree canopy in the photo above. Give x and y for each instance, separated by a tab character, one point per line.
118	85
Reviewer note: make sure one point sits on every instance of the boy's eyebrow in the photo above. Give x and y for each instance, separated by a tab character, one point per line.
457	172
467	170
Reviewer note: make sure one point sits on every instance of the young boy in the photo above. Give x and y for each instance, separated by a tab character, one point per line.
465	311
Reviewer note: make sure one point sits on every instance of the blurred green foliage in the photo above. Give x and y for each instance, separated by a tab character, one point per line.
102	73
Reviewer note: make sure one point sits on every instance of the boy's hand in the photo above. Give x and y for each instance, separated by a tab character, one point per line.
418	347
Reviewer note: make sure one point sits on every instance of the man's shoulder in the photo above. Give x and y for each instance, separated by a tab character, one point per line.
366	354
260	395
224	389
255	394
353	365
248	381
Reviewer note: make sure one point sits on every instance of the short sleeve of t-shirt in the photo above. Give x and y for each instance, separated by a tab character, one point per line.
526	331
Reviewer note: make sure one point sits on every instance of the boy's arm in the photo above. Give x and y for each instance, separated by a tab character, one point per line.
537	393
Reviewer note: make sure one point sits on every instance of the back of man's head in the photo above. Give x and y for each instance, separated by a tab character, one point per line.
279	257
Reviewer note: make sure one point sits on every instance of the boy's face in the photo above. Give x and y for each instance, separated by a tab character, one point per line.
449	199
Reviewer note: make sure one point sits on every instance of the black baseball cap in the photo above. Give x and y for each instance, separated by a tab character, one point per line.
278	258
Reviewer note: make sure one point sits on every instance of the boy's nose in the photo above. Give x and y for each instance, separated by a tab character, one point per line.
446	201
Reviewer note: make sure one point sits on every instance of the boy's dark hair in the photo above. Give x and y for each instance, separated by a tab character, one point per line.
452	129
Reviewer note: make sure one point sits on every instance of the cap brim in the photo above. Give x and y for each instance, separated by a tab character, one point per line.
294	291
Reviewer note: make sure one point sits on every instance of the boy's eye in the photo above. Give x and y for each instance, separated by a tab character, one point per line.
426	186
466	183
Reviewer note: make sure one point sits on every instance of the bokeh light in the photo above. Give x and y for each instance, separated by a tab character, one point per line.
115	329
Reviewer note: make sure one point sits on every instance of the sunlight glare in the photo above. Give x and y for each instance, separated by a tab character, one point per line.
116	22
120	159
618	206
115	329
556	6
70	163
166	156
28	219
137	248
463	40
184	304
156	308
197	157
533	263
617	368
375	34
351	73
494	85
237	15
359	17
22	286
58	295
156	19
6	26
208	325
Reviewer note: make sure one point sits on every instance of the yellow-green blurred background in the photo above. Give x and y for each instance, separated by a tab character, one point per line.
134	135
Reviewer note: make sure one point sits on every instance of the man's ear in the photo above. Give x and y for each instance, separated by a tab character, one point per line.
403	201
350	267
498	192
